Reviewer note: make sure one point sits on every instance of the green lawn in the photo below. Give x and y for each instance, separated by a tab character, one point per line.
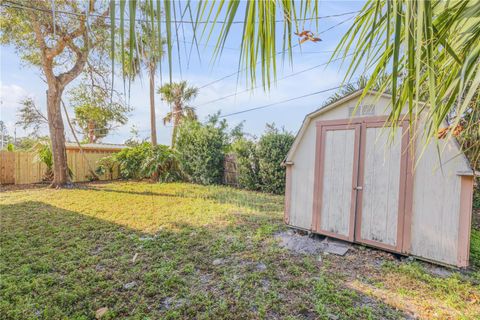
150	251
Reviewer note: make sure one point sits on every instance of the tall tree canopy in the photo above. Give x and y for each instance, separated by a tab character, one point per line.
96	114
428	48
150	53
61	45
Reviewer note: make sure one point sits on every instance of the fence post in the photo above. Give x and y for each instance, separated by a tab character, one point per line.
230	175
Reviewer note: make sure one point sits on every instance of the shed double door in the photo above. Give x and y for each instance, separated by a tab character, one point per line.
361	176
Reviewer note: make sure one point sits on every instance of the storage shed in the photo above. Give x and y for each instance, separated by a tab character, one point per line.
347	179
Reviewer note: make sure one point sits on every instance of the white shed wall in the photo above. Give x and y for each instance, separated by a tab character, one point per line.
301	203
436	200
436	191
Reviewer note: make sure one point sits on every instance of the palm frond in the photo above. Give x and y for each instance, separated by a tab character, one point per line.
430	51
168	118
259	39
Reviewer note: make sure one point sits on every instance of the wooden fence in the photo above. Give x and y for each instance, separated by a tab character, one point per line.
230	175
22	167
7	167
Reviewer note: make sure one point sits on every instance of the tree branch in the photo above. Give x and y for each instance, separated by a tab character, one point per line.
67	77
78	142
82	54
39	37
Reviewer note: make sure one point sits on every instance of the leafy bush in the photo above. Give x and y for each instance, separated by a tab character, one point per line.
106	165
162	164
131	160
144	161
45	156
247	163
273	146
259	163
476	198
201	149
475	248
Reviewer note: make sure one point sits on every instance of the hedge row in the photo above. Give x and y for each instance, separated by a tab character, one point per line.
199	156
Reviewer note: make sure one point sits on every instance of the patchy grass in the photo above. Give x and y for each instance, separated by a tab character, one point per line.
185	251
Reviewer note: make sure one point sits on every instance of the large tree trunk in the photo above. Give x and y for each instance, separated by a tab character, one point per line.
153	123
57	136
56	83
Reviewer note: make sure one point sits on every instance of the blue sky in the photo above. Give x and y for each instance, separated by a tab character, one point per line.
18	80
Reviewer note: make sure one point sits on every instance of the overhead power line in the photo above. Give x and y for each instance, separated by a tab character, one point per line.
17	5
280	102
283	78
280	52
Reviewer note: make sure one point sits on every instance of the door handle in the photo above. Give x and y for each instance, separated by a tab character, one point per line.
358	188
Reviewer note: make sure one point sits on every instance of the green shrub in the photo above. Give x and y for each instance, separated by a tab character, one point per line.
162	164
476	198
201	149
272	147
44	155
106	165
247	163
475	248
130	160
144	161
259	163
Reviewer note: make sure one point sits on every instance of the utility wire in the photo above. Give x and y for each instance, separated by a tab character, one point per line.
280	52
283	78
16	5
280	102
13	4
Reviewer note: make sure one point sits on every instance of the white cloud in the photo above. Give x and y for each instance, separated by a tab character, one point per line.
10	97
11	94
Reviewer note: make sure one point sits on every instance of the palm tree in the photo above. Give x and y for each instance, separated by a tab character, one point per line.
150	52
178	95
418	44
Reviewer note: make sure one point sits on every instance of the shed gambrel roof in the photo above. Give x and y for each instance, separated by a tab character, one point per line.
309	117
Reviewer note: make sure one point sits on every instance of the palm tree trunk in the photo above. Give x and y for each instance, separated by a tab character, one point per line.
153	124
176	122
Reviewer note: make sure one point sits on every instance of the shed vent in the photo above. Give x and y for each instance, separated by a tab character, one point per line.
362	110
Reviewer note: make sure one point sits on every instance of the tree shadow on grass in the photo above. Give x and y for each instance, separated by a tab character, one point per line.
139	193
57	263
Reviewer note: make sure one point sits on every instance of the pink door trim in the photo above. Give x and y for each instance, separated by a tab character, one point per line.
288	193
319	172
406	181
402	188
465	222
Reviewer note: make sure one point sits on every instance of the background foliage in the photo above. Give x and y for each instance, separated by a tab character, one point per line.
98	110
246	156
273	147
259	162
202	148
199	156
159	163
